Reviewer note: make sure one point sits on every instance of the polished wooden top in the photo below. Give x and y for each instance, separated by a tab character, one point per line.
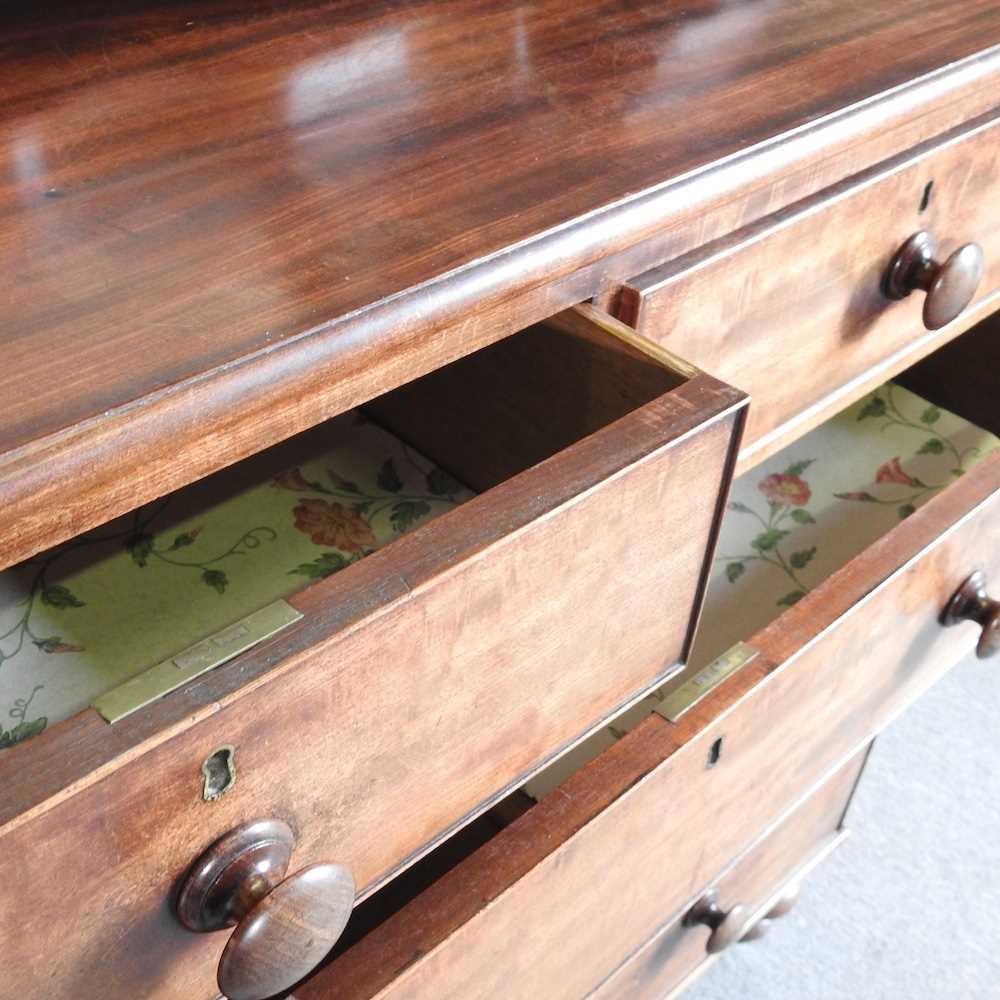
207	204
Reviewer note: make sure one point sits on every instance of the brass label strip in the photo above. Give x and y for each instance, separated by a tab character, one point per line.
705	681
194	661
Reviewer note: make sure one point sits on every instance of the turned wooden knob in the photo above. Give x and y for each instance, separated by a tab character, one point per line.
784	903
971	603
950	286
284	926
727	926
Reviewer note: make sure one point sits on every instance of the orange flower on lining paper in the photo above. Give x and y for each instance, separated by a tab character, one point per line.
780	487
54	644
892	472
291	479
331	523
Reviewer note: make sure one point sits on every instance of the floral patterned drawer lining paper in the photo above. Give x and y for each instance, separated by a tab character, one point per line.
82	618
807	511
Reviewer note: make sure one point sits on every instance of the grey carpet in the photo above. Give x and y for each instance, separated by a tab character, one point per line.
909	907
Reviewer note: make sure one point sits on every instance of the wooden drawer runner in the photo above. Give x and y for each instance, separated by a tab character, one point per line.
773	866
791	309
361	725
562	896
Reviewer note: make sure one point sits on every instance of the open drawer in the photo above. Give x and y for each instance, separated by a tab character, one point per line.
564	590
559	899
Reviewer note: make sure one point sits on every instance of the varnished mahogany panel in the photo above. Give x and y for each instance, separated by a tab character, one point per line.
223	221
792	309
779	860
600	864
422	683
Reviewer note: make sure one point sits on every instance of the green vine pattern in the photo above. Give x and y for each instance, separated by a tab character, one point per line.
22	729
883	407
143	548
787	494
142	545
343	519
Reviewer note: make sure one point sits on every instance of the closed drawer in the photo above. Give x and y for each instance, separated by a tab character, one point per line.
360	725
580	882
792	309
759	888
766	874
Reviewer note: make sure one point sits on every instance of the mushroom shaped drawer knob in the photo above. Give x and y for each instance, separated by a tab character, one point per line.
950	286
727	926
284	927
971	603
783	904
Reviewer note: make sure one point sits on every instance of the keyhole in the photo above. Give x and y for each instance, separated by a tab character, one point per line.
926	200
715	752
220	773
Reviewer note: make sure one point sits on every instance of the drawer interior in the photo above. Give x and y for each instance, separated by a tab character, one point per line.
81	619
797	518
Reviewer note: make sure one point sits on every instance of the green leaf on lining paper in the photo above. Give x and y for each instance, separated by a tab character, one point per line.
793	598
139	547
406	512
22	731
905	510
388	478
734	571
215	579
931	415
802	516
802	558
325	565
57	596
183	540
863	495
442	483
933	446
797	468
875	407
767	540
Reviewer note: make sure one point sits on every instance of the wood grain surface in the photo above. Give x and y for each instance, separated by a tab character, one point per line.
638	832
222	222
784	855
791	309
287	933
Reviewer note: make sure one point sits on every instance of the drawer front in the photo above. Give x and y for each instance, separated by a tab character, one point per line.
362	725
771	870
635	834
791	310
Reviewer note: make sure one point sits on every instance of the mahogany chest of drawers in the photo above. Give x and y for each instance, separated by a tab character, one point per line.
486	315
